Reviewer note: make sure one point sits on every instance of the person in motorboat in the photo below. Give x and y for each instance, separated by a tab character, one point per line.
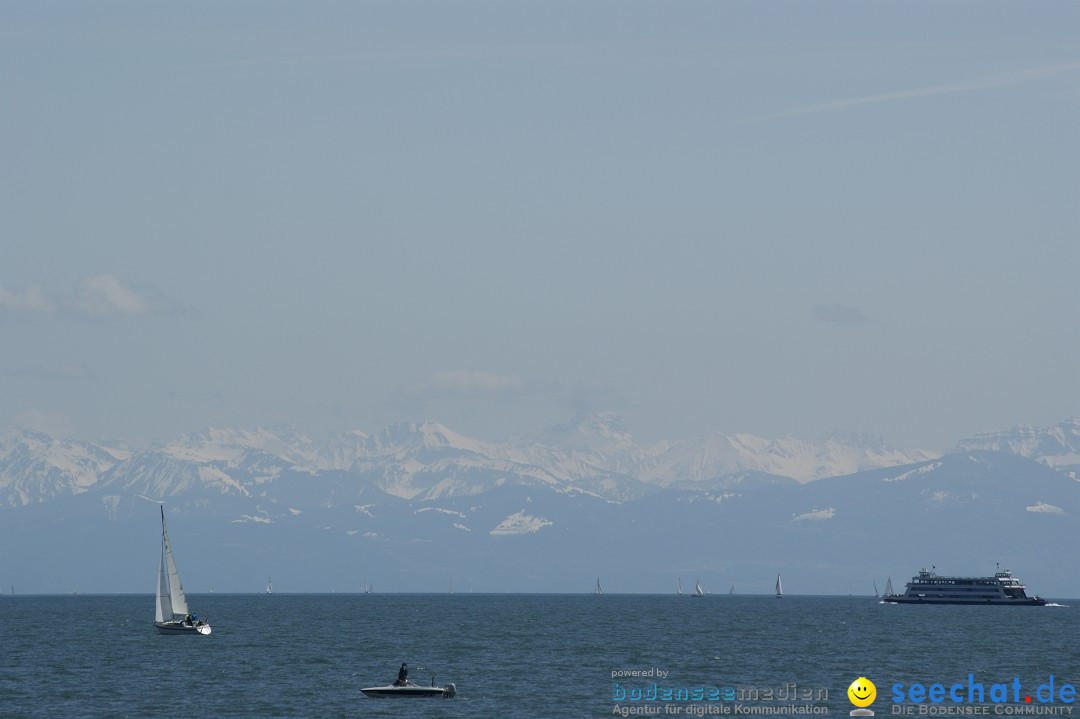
402	676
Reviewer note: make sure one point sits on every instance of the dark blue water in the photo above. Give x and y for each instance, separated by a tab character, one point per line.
509	655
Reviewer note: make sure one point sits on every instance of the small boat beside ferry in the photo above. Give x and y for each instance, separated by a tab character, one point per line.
929	587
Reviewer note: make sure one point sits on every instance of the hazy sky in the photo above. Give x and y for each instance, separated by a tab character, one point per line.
777	218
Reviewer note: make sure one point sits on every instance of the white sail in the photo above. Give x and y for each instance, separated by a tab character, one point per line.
779	587
163	612
176	590
876	592
888	588
697	589
269	586
732	590
678	587
598	590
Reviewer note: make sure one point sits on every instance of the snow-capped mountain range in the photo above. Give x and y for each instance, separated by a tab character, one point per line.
418	501
424	461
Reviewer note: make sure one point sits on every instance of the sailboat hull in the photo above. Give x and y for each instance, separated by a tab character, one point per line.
181	628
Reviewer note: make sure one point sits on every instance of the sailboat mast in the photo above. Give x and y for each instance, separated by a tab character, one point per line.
176	590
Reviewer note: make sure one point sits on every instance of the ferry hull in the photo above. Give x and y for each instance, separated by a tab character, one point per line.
1026	602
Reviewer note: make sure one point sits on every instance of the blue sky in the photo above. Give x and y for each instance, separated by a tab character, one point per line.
777	218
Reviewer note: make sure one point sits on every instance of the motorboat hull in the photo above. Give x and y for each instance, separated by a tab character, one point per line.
181	628
410	690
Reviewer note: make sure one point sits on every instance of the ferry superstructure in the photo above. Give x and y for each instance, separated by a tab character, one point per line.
928	587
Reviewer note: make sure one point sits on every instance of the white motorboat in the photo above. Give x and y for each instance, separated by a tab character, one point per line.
172	615
410	690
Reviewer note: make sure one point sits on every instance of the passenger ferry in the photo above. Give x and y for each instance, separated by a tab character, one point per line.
927	587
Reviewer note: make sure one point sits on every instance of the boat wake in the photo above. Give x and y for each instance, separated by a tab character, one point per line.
1055	604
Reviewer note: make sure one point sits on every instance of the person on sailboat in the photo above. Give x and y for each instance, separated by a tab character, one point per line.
402	675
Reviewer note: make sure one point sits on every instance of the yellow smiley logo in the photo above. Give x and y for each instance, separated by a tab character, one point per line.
862	692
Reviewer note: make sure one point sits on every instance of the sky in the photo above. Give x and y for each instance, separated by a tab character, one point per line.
780	218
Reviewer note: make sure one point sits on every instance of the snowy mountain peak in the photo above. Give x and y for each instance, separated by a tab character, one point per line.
598	430
1057	446
430	436
720	455
35	467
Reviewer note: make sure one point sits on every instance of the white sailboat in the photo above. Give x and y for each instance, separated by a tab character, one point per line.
171	602
876	592
888	588
779	588
698	592
732	590
678	586
269	586
598	591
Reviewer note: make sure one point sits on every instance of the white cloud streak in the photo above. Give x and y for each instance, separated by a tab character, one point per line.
31	299
931	90
95	296
104	295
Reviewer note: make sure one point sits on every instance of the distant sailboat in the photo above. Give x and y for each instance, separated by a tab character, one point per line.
779	588
269	586
876	592
171	601
698	592
678	586
598	591
367	589
888	588
732	590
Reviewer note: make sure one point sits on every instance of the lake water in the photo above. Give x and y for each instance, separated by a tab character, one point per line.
510	655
